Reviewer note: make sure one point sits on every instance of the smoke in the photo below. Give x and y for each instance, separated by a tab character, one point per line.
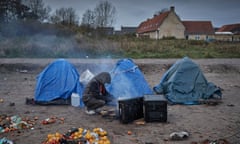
52	46
36	40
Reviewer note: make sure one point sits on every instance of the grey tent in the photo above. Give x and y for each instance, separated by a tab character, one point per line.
184	83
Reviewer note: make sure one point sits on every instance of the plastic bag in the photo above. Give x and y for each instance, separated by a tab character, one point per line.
86	76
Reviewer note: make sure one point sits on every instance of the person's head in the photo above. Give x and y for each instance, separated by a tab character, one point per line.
103	77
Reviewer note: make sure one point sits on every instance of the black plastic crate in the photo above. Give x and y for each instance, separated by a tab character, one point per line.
130	109
155	108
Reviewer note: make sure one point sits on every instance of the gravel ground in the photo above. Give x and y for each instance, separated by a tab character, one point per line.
202	122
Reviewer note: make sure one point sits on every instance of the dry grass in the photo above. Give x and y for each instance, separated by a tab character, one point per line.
79	46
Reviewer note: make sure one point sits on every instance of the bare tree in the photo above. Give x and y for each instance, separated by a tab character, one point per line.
12	10
59	16
105	14
38	8
88	19
65	16
72	18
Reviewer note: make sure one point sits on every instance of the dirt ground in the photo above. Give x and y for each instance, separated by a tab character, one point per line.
202	122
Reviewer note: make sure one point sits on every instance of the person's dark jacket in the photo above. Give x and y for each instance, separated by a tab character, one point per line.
96	89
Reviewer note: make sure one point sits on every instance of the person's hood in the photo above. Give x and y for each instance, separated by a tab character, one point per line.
103	77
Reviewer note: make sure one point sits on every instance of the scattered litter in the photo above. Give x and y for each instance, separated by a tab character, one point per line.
129	132
48	121
5	141
52	120
79	135
35	118
140	122
29	101
23	71
107	112
11	123
230	105
179	135
206	141
11	104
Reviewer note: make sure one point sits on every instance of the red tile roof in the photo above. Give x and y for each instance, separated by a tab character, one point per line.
153	23
234	28
198	27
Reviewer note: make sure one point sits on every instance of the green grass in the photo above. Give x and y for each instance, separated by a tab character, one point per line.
180	48
80	46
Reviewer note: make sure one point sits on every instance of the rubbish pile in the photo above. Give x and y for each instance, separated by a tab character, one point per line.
5	141
79	136
219	141
11	123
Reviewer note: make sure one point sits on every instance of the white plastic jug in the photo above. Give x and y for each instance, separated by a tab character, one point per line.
75	100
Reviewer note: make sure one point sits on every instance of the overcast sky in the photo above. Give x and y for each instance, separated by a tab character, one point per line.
133	12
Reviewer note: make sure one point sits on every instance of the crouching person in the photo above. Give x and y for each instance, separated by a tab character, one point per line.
95	94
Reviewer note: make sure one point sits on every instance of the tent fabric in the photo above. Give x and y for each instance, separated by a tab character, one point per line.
57	82
184	83
128	81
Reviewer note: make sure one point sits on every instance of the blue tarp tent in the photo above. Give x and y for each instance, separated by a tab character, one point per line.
57	82
184	83
128	81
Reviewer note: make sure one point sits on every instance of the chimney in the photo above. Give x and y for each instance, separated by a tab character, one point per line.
172	8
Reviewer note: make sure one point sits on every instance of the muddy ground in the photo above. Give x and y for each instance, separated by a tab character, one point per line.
202	122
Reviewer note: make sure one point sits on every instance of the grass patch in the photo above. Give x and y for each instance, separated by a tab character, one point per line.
79	46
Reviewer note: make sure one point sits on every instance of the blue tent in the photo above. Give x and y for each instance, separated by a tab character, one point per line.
184	83
128	81
57	82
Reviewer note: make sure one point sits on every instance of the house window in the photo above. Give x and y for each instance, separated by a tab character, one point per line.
197	37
